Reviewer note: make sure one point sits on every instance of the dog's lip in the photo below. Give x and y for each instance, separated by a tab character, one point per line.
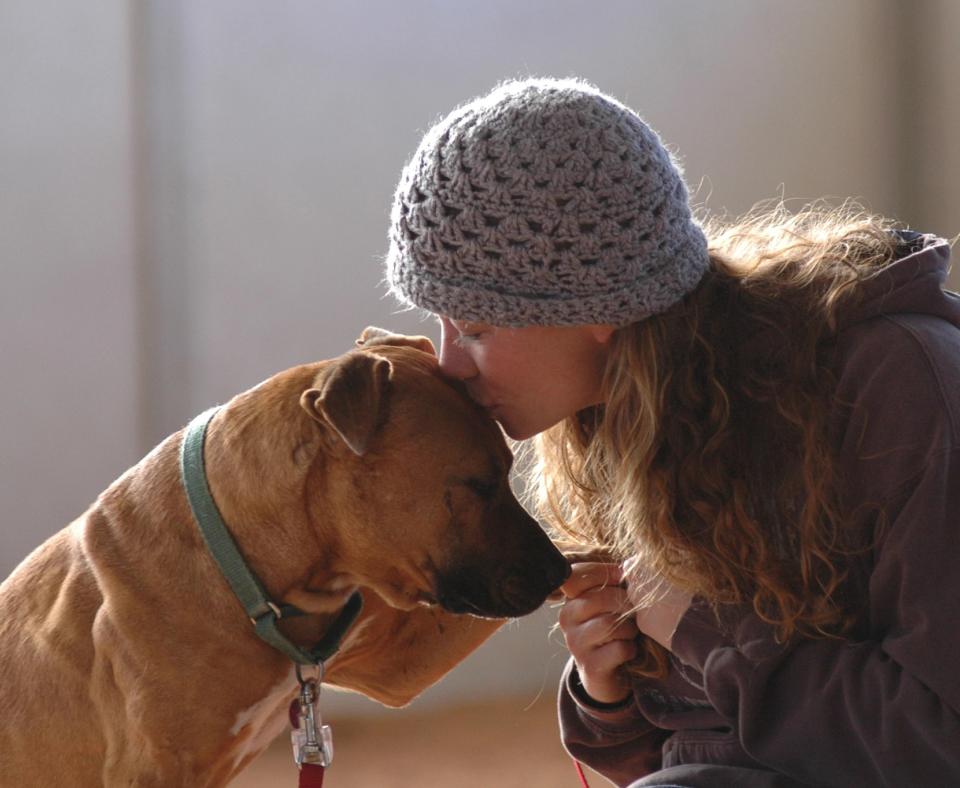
426	598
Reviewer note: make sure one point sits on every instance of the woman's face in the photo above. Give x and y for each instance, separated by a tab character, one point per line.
529	378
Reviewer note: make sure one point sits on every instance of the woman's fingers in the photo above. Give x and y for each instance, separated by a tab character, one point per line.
601	665
600	635
598	632
584	576
592	603
601	673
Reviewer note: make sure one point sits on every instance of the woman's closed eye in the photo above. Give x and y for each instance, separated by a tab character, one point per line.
463	339
469	332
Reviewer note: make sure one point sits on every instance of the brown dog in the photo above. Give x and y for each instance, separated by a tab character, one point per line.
125	658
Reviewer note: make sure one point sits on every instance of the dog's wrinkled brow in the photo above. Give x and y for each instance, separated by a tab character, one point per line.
485	487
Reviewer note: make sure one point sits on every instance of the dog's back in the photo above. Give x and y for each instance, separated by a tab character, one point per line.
47	611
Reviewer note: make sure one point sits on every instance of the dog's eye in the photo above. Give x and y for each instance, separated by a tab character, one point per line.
485	488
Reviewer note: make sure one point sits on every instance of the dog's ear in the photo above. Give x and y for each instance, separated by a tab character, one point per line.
351	398
380	336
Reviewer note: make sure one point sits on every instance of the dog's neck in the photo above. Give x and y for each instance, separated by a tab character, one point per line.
269	443
294	556
240	704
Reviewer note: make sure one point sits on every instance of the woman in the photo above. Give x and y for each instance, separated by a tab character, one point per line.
761	430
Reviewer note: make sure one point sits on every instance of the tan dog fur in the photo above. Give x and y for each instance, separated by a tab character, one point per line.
125	659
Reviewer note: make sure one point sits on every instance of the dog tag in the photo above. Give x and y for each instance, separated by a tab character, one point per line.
312	741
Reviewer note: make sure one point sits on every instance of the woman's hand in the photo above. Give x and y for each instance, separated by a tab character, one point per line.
598	637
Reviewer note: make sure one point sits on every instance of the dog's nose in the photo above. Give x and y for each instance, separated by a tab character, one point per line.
528	586
562	571
553	570
514	590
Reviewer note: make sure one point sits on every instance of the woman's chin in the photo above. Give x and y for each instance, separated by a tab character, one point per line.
513	430
517	435
518	430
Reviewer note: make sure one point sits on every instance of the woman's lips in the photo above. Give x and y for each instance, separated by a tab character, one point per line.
487	406
490	407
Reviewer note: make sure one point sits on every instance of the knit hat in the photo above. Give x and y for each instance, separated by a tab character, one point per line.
543	203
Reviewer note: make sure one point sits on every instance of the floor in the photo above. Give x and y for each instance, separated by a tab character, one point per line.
506	743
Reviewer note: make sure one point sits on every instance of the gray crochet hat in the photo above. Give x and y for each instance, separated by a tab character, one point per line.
543	203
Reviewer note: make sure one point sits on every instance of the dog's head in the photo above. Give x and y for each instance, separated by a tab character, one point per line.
419	478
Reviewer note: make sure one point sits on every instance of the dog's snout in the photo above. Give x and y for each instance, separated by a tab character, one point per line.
504	591
562	571
525	583
552	565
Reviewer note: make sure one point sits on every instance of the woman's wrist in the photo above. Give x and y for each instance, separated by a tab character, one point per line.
603	696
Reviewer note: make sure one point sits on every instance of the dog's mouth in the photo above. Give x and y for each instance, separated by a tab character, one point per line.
499	594
425	598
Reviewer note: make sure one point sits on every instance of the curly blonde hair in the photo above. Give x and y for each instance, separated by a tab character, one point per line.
709	461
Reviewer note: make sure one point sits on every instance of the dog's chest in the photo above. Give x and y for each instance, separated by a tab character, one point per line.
257	726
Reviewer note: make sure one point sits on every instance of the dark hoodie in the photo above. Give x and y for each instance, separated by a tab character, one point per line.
881	708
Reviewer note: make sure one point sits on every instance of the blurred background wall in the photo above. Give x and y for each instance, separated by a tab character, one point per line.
194	196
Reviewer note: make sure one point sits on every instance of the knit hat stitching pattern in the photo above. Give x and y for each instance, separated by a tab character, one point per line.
543	203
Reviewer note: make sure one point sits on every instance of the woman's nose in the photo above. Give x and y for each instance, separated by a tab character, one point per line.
455	362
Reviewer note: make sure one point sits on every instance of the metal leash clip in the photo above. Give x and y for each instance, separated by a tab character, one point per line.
312	741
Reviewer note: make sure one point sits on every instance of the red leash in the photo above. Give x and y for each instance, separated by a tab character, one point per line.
313	748
580	774
311	776
312	740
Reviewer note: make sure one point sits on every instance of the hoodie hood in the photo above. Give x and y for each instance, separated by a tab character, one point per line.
913	284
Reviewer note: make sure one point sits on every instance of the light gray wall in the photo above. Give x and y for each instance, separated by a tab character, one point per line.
195	195
935	104
68	310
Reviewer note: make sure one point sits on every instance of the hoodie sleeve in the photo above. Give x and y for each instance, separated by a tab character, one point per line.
883	710
614	740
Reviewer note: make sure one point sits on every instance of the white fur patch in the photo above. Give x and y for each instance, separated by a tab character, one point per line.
263	720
